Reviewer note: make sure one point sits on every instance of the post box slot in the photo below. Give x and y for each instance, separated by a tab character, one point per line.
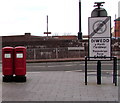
7	51
7	55
19	51
19	55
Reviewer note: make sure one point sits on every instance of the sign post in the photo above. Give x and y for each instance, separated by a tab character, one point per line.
99	29
99	41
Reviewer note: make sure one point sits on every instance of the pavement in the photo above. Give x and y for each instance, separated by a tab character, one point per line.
60	86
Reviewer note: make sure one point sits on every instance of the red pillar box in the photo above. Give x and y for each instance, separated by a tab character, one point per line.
20	64
7	64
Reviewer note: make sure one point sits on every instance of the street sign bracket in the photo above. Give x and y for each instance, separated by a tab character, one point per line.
114	68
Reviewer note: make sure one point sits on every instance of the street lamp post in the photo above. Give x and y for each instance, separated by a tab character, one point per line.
80	33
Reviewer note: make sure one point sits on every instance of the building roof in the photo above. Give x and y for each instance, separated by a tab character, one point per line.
33	41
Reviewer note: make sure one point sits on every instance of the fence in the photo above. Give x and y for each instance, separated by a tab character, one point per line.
55	53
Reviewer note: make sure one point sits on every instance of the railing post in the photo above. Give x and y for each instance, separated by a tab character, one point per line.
56	53
99	72
34	54
85	70
115	71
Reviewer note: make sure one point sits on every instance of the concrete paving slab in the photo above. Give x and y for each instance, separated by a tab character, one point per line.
60	86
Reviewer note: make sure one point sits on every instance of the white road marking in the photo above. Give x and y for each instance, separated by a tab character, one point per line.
36	66
68	65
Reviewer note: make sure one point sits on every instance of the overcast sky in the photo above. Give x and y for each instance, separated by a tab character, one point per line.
20	16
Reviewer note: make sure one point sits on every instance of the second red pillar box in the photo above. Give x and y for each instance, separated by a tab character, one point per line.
20	64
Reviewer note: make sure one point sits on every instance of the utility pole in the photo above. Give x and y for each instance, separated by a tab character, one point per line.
80	33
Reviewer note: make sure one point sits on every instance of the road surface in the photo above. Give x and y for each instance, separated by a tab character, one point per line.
68	66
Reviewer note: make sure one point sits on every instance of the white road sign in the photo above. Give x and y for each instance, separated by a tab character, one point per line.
99	37
100	47
99	26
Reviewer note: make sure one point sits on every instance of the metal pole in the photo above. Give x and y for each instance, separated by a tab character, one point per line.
47	25
99	72
115	71
85	49
80	33
56	53
34	53
79	15
85	70
115	27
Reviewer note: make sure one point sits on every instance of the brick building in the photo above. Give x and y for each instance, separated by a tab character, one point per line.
39	47
117	28
31	41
